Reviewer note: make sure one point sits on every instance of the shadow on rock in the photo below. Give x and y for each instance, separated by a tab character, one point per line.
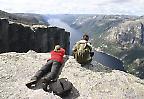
97	67
73	94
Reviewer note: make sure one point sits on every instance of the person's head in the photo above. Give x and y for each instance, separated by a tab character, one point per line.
85	37
57	48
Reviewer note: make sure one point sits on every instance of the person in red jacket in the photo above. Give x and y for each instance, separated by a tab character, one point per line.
50	71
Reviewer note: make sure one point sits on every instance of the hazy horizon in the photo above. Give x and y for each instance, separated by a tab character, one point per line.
106	7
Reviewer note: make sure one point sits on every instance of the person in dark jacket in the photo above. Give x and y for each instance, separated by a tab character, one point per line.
51	69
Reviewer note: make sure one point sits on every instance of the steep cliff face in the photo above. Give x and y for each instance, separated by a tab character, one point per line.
126	41
4	25
21	38
123	37
127	34
142	34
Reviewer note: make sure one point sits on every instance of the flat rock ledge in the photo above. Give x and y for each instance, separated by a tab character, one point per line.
17	68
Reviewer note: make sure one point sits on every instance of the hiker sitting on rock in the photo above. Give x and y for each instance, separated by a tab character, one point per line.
50	70
82	51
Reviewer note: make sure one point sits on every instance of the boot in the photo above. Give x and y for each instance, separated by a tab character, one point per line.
32	82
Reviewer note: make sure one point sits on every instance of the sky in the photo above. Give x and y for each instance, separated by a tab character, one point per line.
120	7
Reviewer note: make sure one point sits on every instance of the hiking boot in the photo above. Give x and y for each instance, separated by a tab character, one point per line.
32	83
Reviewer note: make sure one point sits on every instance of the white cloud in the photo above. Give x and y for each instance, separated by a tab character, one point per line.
134	7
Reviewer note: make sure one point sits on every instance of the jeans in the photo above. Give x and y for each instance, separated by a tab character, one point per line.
49	71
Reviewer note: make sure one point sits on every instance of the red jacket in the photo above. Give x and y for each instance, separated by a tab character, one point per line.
57	56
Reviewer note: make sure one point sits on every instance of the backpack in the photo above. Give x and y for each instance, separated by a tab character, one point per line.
82	53
61	87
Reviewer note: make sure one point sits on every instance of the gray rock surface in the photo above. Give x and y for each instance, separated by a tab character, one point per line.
20	37
17	68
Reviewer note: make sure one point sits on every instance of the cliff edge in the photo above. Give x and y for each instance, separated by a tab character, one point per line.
17	68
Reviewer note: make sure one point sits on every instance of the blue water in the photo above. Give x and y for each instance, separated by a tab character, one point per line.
108	60
75	35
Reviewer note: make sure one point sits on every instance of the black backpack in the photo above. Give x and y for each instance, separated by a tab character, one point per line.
62	87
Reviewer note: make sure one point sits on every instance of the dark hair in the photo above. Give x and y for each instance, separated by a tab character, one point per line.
86	37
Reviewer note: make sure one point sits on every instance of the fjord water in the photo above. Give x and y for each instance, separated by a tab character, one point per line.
108	60
75	35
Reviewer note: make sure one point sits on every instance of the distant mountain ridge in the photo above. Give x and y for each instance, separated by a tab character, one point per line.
93	23
25	18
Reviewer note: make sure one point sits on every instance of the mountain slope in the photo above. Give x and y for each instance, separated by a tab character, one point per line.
17	68
93	23
29	19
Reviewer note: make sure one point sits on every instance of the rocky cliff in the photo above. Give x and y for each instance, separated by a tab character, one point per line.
21	38
128	34
125	41
90	82
122	37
